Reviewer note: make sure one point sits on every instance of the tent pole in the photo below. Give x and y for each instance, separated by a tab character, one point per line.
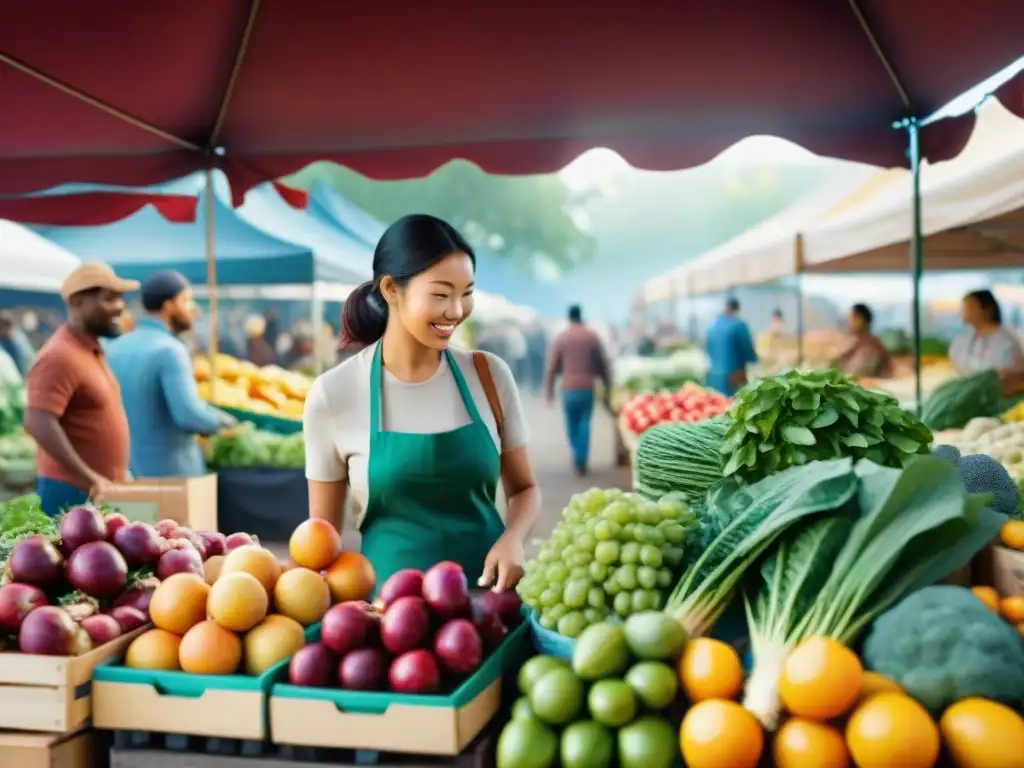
916	250
799	269
211	282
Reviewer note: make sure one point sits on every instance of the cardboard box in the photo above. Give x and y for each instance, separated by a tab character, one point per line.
51	694
1007	571
191	501
81	749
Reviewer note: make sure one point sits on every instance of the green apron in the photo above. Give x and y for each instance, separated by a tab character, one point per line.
430	497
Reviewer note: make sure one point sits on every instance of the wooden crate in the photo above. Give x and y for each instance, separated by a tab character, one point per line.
51	694
82	749
157	751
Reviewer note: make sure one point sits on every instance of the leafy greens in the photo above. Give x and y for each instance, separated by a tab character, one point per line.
798	417
909	528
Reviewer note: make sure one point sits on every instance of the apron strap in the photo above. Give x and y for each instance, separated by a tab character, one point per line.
376	385
483	370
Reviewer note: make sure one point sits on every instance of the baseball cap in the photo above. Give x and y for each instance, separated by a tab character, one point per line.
90	275
162	286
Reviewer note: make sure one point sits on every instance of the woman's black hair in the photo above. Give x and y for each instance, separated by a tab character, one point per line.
410	246
989	306
863	311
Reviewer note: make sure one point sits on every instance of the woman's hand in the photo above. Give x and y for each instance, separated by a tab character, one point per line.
503	567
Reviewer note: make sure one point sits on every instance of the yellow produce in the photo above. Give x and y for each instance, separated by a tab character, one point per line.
892	729
1012	534
1012	608
717	733
821	679
806	744
710	669
242	385
983	734
873	683
988	596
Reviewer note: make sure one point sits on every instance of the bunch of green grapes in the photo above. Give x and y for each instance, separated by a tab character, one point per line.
611	554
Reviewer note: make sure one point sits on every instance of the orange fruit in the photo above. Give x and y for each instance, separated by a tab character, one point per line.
350	577
1012	608
803	743
821	679
980	733
237	602
274	639
179	602
892	729
710	669
988	596
254	560
211	568
1020	628
1012	534
315	544
718	733
209	649
303	595
872	683
153	649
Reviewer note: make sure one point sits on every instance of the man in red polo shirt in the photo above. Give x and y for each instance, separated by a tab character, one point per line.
74	408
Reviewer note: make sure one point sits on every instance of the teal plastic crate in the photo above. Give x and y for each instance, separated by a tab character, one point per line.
221	706
441	724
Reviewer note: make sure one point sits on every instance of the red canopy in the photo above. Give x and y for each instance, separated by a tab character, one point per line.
131	93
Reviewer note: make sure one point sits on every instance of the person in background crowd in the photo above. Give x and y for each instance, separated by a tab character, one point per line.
985	343
10	376
515	350
536	354
8	343
578	357
867	356
257	350
416	431
271	328
730	350
154	370
74	410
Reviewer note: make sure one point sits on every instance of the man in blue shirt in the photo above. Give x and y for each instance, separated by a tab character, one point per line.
730	350
153	367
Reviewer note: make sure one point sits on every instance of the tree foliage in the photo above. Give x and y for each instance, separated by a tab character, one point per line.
520	217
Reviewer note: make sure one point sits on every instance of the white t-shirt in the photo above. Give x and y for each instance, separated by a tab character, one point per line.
336	420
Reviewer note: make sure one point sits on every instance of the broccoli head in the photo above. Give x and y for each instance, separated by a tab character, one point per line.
983	474
948	453
941	644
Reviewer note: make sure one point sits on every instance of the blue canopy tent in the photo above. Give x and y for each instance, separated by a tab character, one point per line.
264	250
493	273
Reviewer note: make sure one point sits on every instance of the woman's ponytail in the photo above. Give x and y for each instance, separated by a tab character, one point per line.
364	316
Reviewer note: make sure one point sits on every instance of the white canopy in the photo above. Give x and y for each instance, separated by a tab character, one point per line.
972	218
972	211
30	262
766	251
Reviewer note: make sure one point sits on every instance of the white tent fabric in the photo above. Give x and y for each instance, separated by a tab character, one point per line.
766	251
30	262
972	211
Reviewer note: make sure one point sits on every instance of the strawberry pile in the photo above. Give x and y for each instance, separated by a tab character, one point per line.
689	404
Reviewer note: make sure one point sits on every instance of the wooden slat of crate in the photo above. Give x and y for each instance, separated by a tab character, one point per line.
51	694
37	750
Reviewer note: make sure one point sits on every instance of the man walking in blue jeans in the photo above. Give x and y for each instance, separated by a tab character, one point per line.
579	360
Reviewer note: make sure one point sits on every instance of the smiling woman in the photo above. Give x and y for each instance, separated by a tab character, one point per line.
418	431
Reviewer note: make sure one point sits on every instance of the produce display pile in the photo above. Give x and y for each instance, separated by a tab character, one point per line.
17	450
827	521
80	582
612	553
690	404
798	417
241	384
245	446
